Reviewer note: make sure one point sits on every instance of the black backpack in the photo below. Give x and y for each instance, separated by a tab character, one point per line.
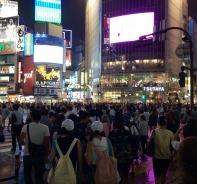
13	118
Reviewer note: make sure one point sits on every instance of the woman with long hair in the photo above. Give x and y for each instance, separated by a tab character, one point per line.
106	125
170	118
153	119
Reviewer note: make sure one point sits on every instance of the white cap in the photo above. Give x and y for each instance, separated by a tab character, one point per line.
97	126
68	124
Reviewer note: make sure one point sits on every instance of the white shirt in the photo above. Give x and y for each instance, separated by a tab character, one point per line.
102	145
37	132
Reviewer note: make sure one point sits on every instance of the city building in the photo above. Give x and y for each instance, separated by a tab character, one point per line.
118	67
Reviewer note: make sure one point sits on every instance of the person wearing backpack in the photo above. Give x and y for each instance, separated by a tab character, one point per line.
16	122
68	151
97	155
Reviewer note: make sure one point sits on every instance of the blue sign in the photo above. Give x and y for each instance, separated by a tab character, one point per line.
28	44
48	11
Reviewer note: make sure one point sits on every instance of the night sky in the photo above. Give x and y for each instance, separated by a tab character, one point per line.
73	16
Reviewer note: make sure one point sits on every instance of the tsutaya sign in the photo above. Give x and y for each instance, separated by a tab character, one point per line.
27	76
153	89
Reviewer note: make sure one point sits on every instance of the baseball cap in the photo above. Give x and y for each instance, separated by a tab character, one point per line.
68	124
97	126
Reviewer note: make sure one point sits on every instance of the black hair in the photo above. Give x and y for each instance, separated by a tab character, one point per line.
45	112
35	115
161	121
93	134
15	106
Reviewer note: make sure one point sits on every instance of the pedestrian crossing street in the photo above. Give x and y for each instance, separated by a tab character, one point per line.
143	171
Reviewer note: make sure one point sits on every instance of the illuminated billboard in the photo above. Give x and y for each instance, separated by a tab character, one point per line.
48	49
131	27
8	8
28	44
8	28
7	47
67	36
68	58
47	76
28	75
48	11
48	54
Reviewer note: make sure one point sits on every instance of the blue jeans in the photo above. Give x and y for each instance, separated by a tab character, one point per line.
38	164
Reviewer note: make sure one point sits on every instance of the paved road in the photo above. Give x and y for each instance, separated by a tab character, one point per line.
144	170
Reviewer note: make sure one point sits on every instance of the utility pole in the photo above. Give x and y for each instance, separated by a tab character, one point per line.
191	69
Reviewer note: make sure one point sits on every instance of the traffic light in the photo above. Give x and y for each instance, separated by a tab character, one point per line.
182	79
143	97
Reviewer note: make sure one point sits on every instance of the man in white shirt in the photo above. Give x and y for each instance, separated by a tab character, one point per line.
39	134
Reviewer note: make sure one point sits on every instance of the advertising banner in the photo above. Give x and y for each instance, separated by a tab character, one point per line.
106	28
8	28
28	44
28	75
7	47
20	40
45	91
68	58
8	8
11	87
48	76
48	11
48	49
7	69
67	36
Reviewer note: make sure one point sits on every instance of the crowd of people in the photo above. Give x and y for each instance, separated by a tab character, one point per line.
82	135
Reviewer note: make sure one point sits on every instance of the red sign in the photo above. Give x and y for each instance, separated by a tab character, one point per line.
28	75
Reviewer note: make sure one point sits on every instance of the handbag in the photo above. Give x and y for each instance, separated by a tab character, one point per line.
150	148
113	161
35	150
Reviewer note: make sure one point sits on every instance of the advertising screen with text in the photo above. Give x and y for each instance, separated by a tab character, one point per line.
130	27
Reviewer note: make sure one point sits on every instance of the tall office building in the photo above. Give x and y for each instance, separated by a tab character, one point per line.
116	68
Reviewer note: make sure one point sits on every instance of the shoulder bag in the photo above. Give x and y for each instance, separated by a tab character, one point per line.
150	148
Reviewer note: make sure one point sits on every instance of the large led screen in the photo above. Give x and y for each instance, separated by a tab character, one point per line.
131	27
47	75
48	54
48	11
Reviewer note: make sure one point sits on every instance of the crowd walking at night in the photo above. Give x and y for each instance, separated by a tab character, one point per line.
101	142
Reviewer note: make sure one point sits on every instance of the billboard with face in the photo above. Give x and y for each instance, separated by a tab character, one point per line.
47	76
8	28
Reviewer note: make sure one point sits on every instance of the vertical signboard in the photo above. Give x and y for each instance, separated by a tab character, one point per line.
48	11
106	30
68	58
28	75
67	36
28	44
20	40
19	72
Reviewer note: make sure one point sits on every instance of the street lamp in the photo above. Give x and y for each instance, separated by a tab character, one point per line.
188	39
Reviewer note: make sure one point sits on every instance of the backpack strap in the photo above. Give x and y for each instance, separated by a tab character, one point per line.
71	147
95	149
58	149
109	147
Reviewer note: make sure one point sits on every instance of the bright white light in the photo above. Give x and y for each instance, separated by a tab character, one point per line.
48	54
131	27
